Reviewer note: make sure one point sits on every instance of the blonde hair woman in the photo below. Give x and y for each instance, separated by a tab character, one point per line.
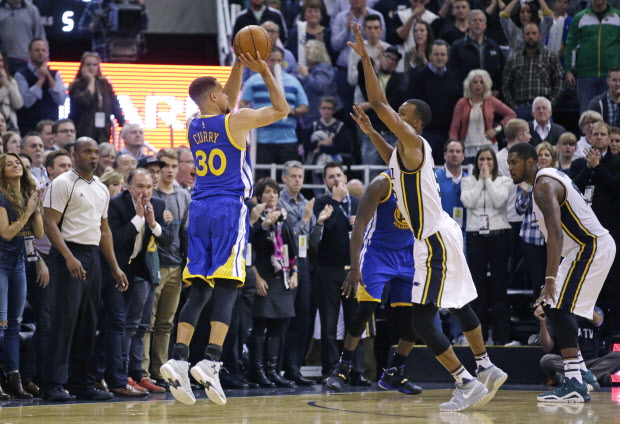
317	78
546	155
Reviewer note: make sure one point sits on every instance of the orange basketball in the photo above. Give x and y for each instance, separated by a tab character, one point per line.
251	39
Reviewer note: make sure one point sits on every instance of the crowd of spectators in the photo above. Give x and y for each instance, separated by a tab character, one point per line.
493	74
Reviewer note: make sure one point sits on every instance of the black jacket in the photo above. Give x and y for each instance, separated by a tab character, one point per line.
554	133
606	181
120	214
464	57
599	104
333	247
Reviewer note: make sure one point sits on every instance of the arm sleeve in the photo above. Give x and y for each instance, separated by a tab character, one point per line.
507	78
471	191
499	190
59	92
570	45
29	94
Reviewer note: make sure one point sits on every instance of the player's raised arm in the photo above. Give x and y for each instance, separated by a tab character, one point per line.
383	147
233	84
376	96
377	190
548	194
248	119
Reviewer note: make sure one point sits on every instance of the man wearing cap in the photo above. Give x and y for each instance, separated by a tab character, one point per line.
154	166
137	223
394	85
441	88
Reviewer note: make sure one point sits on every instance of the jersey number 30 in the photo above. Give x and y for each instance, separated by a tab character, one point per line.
203	168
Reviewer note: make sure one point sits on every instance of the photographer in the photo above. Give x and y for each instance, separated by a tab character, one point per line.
95	20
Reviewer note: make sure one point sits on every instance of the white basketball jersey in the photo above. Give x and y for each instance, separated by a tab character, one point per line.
579	224
417	194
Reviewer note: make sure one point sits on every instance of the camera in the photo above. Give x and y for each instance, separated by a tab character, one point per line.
124	18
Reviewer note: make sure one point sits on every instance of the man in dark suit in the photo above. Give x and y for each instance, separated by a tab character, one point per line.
138	226
598	177
541	128
395	84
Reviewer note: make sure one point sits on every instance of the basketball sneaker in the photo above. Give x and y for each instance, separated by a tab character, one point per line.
590	380
338	378
394	379
176	374
472	393
492	378
207	373
568	392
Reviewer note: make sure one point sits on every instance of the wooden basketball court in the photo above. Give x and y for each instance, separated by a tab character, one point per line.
316	406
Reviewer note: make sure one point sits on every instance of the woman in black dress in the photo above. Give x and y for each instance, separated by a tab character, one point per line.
276	275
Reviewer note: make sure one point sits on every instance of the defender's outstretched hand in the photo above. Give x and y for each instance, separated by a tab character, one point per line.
256	65
358	47
362	119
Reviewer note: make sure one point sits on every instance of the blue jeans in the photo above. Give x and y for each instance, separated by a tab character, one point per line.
143	319
12	302
588	88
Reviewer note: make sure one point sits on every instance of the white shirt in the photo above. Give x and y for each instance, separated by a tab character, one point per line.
139	222
582	147
543	132
502	169
455	178
486	197
85	204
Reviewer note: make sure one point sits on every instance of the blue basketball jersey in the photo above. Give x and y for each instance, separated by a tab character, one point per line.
388	227
222	167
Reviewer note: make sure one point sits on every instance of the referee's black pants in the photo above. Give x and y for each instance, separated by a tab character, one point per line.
75	304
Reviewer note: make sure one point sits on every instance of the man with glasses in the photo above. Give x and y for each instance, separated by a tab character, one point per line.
63	133
586	122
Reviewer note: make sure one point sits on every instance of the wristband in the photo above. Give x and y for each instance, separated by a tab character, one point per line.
550	278
294	270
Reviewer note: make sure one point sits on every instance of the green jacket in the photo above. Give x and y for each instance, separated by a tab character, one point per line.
593	47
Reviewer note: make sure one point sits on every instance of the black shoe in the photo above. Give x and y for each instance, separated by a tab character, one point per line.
92	393
56	394
358	379
338	378
299	379
163	383
230	381
394	379
278	380
251	385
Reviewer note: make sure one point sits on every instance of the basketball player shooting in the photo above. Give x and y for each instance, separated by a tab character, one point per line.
218	218
442	278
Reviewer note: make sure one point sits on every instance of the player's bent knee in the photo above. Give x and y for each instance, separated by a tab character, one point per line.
466	317
362	316
225	291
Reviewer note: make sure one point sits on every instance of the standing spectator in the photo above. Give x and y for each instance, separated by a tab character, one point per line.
20	23
32	145
171	261
41	87
289	64
79	200
404	20
527	14
440	87
317	78
20	223
133	137
395	89
44	127
375	48
276	143
93	100
63	132
258	13
586	121
531	72
595	30
125	164
10	97
311	14
608	103
335	214
455	27
559	30
541	128
477	51
597	175
107	155
474	114
187	169
11	142
567	144
276	276
418	56
340	34
614	140
485	195
299	214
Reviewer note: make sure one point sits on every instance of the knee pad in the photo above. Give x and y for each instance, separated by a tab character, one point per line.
565	326
466	317
225	291
199	294
405	326
362	315
423	324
